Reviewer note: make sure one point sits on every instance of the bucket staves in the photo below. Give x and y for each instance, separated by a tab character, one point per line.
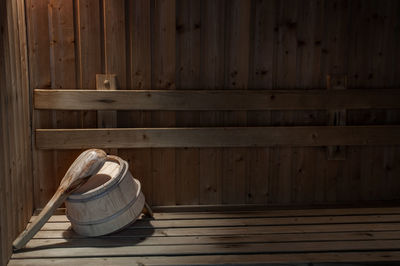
109	201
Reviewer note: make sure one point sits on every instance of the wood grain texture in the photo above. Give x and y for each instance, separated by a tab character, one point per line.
226	259
139	78
258	45
12	124
212	77
338	116
5	189
188	53
260	77
284	75
237	42
217	137
243	221
285	236
18	111
39	70
107	202
106	118
15	156
204	100
114	40
115	62
176	250
391	154
26	112
184	240
63	75
163	77
88	46
201	212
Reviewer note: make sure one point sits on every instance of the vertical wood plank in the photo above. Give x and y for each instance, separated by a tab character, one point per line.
212	77
163	77
236	77
140	44
63	75
114	56
139	77
15	153
353	170
62	49
378	19
5	182
188	31
114	50
235	161
335	67
304	175
385	24
389	77
114	40
3	237
107	119
359	65
16	96
303	157
314	78
26	115
284	77
260	77
88	39
39	69
336	117
11	84
280	176
334	61
286	45
4	163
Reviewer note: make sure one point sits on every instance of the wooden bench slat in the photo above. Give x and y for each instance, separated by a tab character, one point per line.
246	230
383	256
183	240
60	217
242	248
373	237
234	222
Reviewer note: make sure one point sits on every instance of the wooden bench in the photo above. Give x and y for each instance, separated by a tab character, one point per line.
215	237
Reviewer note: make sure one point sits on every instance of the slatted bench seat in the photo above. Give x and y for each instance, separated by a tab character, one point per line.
240	237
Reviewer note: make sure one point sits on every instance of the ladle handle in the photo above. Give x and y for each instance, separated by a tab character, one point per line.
55	202
88	163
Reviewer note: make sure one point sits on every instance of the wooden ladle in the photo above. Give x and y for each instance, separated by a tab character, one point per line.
88	163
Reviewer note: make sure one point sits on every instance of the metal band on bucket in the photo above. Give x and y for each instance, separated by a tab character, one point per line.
118	213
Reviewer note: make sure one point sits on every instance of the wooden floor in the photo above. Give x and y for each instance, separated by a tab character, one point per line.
289	237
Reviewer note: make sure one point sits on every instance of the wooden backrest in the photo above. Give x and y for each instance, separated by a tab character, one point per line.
221	100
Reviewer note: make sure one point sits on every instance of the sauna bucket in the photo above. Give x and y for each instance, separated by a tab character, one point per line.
109	201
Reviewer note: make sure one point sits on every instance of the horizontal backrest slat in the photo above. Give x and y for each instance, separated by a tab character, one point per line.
216	99
217	137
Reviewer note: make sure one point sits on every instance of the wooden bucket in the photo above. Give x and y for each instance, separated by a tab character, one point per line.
108	202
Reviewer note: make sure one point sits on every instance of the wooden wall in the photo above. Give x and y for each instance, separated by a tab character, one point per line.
16	198
223	45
